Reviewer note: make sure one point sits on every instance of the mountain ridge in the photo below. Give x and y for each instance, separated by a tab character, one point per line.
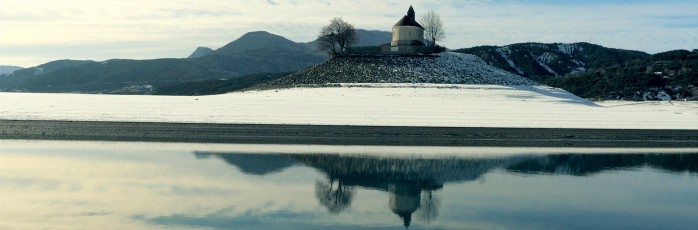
544	60
235	59
9	69
594	71
589	70
252	53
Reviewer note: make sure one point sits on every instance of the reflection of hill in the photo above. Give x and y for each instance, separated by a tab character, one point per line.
411	182
255	164
373	171
377	173
582	165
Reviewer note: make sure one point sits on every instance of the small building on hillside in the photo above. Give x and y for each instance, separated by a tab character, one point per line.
408	35
407	40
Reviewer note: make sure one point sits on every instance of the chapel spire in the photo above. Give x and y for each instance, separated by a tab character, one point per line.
410	13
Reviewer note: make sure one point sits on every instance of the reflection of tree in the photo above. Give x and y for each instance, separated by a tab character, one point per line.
429	207
335	198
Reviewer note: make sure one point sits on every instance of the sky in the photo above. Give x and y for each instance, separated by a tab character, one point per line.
33	32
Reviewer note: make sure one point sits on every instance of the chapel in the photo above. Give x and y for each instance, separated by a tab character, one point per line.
407	34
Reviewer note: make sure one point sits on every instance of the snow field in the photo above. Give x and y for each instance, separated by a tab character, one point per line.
363	104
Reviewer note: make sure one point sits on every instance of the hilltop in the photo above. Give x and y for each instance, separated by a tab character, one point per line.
443	68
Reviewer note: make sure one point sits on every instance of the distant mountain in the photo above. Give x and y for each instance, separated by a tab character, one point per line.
540	61
272	54
366	38
48	68
10	81
260	41
8	69
200	52
254	52
373	37
594	71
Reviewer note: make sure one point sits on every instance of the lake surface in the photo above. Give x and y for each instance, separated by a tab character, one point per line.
119	185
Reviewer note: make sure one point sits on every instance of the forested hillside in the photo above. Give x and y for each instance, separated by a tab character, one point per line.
670	74
593	71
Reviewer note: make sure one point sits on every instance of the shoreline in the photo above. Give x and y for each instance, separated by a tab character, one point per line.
344	135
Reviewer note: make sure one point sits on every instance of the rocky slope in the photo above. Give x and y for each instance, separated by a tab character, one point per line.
541	61
448	68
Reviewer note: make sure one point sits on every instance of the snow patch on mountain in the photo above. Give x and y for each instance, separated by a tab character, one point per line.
38	71
568	48
545	59
501	51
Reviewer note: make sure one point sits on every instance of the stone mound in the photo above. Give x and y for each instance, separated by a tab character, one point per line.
444	68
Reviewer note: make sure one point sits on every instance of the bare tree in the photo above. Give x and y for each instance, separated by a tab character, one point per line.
327	42
433	28
337	36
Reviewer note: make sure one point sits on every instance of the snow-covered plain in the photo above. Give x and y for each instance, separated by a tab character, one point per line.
364	104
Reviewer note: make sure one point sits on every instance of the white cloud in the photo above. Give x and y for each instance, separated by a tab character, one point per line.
175	28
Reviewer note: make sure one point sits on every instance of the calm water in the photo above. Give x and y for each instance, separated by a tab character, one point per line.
100	185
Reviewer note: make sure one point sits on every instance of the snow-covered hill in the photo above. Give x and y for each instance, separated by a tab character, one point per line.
444	68
440	105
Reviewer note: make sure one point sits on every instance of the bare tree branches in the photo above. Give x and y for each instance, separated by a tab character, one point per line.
433	28
334	198
327	42
337	36
429	207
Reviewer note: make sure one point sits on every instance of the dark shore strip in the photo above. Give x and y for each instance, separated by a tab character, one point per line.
343	135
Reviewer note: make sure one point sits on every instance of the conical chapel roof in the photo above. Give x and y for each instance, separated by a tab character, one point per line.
408	20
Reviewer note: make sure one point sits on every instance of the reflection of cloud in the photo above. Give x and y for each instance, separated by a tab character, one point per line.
252	219
108	187
89	185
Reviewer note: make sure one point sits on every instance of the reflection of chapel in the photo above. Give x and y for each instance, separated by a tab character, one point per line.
408	34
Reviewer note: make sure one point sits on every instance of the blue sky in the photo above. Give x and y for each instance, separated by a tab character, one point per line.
37	31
